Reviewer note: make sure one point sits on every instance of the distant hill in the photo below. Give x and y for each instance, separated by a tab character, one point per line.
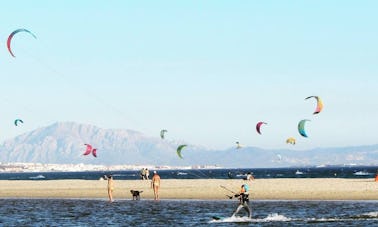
63	143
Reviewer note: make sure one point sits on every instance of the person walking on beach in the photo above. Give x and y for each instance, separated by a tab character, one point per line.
155	185
110	187
147	174
142	174
243	201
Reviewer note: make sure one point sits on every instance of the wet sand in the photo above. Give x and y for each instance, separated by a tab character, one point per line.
260	189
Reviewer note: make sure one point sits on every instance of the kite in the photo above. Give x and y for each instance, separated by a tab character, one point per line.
291	140
301	129
90	150
18	121
319	104
259	125
162	132
10	37
238	146
179	148
94	152
279	157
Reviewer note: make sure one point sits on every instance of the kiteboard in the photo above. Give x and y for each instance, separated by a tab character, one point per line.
217	217
231	219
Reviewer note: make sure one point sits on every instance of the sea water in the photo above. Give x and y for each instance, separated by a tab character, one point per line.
98	212
259	173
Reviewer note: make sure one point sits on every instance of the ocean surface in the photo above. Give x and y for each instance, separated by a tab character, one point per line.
76	212
260	173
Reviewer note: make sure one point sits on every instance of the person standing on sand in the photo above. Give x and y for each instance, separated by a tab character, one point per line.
250	176
155	185
142	172
110	187
147	174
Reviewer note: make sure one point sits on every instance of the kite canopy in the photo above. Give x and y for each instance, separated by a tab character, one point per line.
238	145
319	104
89	150
258	126
301	128
290	140
18	121
162	133
10	37
94	152
179	148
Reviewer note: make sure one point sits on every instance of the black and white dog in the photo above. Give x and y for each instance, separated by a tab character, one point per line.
136	194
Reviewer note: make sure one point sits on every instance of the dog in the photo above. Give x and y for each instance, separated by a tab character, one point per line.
136	194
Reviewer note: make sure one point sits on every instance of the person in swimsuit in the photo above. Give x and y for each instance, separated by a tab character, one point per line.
155	185
110	187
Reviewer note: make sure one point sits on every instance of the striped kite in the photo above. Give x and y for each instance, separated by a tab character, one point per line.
10	37
319	104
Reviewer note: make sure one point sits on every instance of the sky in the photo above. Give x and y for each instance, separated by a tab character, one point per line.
207	71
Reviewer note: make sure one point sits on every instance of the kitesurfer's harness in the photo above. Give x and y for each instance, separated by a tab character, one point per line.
244	197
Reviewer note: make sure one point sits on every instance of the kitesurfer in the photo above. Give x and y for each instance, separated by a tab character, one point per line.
155	185
243	201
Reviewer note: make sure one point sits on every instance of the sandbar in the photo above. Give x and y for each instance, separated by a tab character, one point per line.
202	189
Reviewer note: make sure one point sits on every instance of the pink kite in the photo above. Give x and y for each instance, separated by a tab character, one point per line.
258	126
88	150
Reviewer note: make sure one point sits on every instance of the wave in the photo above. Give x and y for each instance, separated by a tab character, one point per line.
270	218
274	217
371	214
362	173
124	175
40	176
364	216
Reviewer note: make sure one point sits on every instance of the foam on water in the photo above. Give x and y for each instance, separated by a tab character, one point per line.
371	214
270	218
276	217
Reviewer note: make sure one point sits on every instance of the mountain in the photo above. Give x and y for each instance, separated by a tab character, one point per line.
63	143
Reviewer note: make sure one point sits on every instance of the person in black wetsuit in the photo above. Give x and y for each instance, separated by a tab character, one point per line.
243	201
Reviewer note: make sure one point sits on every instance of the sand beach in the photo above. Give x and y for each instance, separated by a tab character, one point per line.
261	189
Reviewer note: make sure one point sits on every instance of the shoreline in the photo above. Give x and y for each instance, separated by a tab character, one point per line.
200	189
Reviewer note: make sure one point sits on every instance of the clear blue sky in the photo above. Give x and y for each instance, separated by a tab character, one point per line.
207	71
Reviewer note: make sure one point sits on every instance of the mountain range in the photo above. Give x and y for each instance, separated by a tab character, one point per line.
63	143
